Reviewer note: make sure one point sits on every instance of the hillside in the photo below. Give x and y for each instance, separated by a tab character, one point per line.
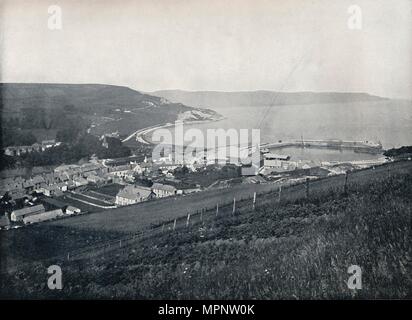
84	96
299	248
106	108
260	98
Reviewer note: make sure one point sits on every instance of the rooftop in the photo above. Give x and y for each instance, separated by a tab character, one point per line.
27	210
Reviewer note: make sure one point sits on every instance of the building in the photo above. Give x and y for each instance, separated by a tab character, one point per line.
163	190
19	215
44	216
79	182
52	190
133	194
278	163
72	210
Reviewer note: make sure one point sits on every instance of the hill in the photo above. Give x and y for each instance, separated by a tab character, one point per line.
84	96
260	98
299	248
43	108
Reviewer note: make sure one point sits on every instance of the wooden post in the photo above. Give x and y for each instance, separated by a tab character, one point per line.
163	227
234	206
188	219
201	215
120	243
254	200
345	190
174	225
280	192
68	256
307	187
217	209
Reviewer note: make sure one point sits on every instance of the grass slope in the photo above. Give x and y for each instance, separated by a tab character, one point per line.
300	248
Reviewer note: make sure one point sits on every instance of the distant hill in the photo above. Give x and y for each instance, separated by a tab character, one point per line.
84	96
108	108
260	98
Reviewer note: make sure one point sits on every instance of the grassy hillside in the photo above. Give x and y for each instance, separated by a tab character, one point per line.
84	96
40	108
299	248
260	98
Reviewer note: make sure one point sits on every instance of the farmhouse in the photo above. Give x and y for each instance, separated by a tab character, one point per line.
163	190
48	215
133	194
19	215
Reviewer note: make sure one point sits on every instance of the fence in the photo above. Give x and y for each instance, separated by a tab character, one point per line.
277	195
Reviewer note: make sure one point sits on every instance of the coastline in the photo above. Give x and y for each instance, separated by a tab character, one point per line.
141	133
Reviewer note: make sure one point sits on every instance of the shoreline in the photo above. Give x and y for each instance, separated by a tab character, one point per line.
141	133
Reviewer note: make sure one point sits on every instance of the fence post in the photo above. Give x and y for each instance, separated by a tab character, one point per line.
280	192
345	191
188	219
307	187
120	243
201	215
217	209
174	225
234	206
254	200
68	256
163	227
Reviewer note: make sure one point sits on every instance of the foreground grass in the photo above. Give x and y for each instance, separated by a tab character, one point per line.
297	250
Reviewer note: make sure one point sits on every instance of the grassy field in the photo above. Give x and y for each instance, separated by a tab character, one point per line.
298	248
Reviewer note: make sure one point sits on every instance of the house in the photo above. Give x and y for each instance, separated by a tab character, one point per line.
38	181
52	190
163	190
44	216
19	215
72	210
133	194
138	168
49	143
95	179
121	171
28	185
278	163
79	182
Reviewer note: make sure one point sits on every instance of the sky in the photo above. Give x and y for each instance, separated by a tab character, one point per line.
236	45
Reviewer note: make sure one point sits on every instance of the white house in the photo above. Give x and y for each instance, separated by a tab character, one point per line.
133	194
72	210
163	190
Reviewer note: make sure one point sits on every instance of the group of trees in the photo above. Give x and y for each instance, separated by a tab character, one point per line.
399	152
86	146
70	128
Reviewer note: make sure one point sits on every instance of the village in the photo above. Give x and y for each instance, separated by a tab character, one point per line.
102	184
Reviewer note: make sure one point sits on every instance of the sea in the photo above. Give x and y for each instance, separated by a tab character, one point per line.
388	122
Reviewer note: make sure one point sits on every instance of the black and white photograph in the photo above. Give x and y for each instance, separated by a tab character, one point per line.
205	150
